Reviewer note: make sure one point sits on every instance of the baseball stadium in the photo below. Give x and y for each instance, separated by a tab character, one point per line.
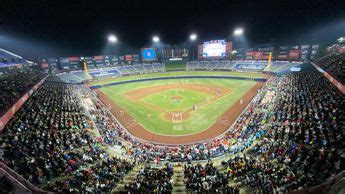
211	114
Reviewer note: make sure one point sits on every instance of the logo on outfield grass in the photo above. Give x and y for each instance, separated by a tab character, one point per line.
177	128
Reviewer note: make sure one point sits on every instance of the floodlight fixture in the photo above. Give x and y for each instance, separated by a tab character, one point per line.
155	38
193	37
238	31
112	38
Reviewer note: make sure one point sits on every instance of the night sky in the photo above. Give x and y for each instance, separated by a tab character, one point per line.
80	27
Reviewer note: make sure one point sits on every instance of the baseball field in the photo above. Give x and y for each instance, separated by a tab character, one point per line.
178	108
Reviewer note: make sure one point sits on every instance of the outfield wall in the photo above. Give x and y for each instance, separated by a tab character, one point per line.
178	77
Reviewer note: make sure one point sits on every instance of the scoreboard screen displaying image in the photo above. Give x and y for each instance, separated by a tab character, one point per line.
148	54
214	48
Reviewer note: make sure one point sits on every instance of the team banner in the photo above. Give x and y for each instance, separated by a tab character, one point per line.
314	51
111	60
240	54
305	52
229	49
90	62
136	58
294	54
73	59
128	58
98	58
64	63
199	51
255	55
283	53
174	53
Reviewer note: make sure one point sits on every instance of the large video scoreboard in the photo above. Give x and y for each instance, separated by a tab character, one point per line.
148	54
215	49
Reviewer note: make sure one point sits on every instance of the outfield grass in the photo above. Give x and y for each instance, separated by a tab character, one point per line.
175	65
200	119
177	73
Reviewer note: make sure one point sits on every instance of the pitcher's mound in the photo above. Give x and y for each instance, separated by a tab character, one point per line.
176	99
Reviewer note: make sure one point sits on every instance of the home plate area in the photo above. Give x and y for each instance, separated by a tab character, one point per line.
176	117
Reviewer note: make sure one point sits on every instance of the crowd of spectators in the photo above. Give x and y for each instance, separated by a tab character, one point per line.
335	65
101	177
206	179
50	138
14	83
152	180
304	143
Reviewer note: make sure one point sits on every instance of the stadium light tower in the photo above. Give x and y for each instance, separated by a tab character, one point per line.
193	37
238	31
112	38
155	38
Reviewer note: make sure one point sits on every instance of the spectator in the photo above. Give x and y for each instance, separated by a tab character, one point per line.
14	84
152	180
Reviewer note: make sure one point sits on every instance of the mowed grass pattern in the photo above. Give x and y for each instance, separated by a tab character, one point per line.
200	119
